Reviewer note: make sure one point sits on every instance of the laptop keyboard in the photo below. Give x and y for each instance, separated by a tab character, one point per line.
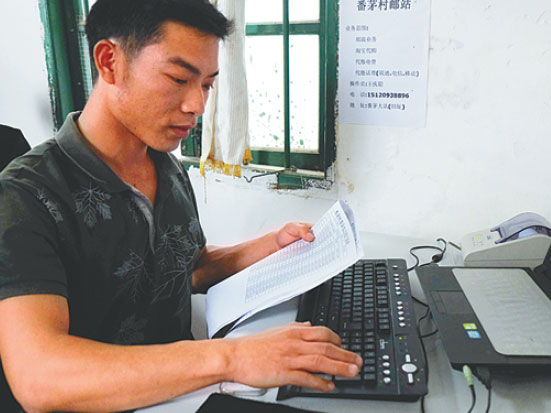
370	306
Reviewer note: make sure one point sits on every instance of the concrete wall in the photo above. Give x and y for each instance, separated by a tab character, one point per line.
24	96
482	157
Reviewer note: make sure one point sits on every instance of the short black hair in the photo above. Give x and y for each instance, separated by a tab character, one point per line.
137	23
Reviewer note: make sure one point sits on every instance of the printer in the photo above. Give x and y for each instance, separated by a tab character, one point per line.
521	241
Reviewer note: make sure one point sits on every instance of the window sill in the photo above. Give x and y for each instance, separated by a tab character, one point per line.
286	179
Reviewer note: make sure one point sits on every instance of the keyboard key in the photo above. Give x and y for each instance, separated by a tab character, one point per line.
370	377
369	324
355	379
350	325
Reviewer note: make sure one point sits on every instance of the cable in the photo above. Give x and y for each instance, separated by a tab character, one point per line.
484	375
489	398
424	355
435	258
454	245
420	302
470	382
432	332
473	393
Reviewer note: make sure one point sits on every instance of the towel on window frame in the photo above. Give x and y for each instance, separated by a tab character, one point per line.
225	135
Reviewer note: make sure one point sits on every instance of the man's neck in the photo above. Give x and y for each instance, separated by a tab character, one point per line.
121	150
112	142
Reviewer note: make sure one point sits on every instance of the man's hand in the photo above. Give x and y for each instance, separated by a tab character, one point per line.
289	355
292	232
216	264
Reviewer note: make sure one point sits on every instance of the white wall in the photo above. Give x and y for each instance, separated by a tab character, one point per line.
24	98
482	157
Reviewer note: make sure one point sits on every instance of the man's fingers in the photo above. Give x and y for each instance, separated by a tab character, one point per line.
321	364
330	351
319	333
305	232
304	379
300	230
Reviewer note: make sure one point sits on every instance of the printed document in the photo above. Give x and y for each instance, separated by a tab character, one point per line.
287	273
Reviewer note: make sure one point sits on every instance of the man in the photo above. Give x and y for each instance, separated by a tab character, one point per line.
100	243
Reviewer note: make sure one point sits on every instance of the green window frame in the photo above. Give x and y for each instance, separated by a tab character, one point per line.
67	56
70	79
325	156
310	165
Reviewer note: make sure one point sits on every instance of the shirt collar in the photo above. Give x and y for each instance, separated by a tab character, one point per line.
75	147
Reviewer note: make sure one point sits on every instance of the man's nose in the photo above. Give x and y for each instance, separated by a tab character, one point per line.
194	101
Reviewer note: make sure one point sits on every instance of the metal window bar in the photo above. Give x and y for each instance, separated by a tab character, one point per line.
286	84
64	41
304	160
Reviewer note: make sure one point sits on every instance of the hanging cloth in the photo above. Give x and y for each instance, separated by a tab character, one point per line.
225	136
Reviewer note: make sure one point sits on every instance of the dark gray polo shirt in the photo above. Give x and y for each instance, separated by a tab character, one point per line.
70	226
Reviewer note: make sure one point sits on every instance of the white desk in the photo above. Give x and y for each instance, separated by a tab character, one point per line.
448	391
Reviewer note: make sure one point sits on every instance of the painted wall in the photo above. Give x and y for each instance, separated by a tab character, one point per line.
24	96
482	157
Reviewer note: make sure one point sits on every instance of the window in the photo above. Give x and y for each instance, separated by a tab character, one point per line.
67	56
291	71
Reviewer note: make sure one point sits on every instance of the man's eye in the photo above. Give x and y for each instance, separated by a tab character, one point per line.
208	87
179	81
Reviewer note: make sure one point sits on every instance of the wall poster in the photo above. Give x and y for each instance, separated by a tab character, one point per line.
383	62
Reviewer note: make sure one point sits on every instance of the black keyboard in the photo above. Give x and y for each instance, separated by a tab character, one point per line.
370	306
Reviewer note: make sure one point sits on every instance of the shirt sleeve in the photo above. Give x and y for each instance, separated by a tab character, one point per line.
29	259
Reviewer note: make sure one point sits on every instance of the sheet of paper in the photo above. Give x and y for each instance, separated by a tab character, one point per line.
287	273
383	62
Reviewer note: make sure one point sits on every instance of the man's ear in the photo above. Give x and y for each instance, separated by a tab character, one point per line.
106	54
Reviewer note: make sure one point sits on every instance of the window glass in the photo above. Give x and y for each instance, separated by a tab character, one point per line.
304	92
304	10
263	11
264	60
270	11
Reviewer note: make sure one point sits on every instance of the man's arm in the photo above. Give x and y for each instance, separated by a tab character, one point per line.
50	370
217	263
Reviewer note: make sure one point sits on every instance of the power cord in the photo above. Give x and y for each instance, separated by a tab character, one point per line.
419	301
424	352
484	375
470	382
435	258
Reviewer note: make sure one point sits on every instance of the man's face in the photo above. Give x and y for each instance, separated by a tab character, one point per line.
164	88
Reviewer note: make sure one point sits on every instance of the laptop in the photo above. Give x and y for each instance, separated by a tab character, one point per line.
498	318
